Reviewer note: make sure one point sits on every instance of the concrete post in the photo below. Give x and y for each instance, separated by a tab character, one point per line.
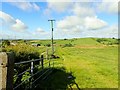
6	71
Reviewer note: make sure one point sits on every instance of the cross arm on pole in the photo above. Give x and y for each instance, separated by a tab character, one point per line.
51	20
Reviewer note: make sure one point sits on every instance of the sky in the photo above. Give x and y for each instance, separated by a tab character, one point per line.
29	20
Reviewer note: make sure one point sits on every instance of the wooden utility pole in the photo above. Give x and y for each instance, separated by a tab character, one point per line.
52	34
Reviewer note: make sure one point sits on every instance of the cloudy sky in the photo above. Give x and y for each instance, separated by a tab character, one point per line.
29	20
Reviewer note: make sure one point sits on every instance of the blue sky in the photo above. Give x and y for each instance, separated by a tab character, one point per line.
29	20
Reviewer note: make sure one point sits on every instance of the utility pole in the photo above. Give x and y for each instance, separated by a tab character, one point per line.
51	21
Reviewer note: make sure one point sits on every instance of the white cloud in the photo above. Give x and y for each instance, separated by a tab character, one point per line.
6	18
16	25
40	30
78	24
57	7
82	19
77	8
77	20
36	7
83	9
26	6
111	31
70	26
94	23
19	26
40	33
107	32
69	22
109	7
110	0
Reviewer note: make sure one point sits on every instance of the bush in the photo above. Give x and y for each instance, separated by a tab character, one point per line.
100	40
68	45
5	43
22	52
54	42
48	45
38	45
65	39
113	38
107	41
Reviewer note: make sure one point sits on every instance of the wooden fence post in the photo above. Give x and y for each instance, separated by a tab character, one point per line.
47	53
47	56
49	62
42	61
6	71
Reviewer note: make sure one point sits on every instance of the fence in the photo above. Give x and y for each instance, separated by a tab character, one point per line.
7	70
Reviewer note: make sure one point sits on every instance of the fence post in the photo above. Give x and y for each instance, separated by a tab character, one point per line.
32	67
6	71
47	53
49	62
47	56
42	61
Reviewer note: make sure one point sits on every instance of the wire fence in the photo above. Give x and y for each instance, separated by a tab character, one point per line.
34	75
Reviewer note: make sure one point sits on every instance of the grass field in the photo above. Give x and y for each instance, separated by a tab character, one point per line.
93	65
93	68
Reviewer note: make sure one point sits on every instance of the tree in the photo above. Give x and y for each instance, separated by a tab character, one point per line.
5	43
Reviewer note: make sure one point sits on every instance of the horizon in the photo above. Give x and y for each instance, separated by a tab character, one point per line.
62	38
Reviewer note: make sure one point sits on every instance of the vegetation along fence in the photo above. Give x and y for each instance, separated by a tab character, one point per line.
25	74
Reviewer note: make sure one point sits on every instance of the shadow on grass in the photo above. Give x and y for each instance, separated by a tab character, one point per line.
58	79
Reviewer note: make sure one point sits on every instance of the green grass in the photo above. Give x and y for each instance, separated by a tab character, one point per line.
82	41
95	66
92	64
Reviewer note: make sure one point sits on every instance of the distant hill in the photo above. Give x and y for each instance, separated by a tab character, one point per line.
79	41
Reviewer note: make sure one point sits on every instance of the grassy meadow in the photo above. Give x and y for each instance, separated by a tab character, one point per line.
93	62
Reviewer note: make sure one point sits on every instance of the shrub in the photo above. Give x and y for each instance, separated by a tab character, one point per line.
54	42
68	45
5	43
107	41
38	45
65	39
100	40
113	38
48	45
22	52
